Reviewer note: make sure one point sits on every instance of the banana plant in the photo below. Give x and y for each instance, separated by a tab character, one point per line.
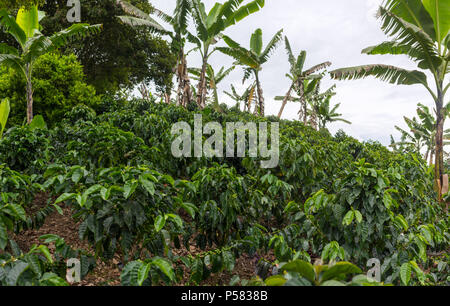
298	76
247	97
4	114
419	29
252	59
210	27
213	79
178	35
25	28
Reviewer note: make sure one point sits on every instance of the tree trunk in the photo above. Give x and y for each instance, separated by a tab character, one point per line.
285	101
260	96
29	96
201	90
439	154
184	95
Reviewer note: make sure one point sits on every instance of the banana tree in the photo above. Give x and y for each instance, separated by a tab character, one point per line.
212	79
210	27
25	28
252	59
321	109
419	29
178	35
4	114
304	89
248	96
297	76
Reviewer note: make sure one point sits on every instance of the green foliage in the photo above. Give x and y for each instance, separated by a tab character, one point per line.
38	267
59	85
330	197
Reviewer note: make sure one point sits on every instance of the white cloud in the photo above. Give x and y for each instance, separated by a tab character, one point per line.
328	30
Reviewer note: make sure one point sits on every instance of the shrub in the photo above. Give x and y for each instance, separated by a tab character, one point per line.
58	84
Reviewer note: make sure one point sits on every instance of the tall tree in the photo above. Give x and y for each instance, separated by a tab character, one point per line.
210	27
419	29
253	59
298	76
178	35
25	29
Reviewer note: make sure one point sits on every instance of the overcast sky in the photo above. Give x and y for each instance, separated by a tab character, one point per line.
329	30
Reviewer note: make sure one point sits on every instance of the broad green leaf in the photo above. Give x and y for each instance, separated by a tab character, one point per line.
38	122
129	189
143	273
105	193
58	209
358	216
178	221
14	274
332	283
51	279
44	250
401	222
3	235
439	10
130	273
256	42
64	197
190	208
149	186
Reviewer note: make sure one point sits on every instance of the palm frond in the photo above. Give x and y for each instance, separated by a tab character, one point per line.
147	22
